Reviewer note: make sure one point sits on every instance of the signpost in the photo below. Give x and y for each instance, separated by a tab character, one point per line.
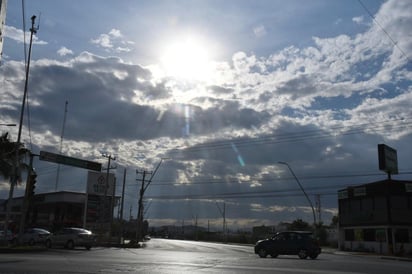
388	159
70	161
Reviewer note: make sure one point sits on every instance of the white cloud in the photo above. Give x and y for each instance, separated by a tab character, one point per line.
113	41
358	19
259	31
63	51
18	36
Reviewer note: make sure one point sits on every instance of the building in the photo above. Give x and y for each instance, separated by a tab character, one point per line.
64	208
376	217
3	8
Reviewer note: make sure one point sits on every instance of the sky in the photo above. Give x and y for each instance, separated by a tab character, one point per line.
217	93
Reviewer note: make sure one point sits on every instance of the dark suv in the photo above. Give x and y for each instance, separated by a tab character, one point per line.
299	243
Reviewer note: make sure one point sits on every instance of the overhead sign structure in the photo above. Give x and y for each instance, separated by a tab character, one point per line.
388	159
70	161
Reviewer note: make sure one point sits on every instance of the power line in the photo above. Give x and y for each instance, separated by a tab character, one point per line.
299	136
309	177
383	29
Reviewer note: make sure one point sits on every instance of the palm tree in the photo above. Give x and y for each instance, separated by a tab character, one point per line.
8	158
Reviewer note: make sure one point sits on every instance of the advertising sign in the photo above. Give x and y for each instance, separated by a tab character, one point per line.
97	183
388	159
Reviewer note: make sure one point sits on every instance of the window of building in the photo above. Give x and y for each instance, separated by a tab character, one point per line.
402	235
369	235
349	235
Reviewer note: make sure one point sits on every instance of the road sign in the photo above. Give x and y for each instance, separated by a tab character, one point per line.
70	161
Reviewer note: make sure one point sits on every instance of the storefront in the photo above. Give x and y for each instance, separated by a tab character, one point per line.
376	217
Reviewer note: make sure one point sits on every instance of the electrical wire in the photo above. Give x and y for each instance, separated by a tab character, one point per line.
384	30
279	138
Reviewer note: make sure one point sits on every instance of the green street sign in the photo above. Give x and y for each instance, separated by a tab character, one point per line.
69	161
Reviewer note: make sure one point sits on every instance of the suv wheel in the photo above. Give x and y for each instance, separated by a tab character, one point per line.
303	254
48	243
70	244
262	253
313	256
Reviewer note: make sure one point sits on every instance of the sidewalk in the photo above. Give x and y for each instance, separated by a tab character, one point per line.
407	258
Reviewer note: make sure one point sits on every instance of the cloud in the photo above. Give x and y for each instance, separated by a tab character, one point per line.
63	51
18	36
113	41
358	19
259	31
322	108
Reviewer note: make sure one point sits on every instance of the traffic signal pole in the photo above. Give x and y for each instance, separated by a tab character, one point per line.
28	196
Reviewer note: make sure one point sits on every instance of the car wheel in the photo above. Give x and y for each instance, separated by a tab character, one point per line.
31	242
313	256
70	244
48	244
262	253
274	255
303	254
88	247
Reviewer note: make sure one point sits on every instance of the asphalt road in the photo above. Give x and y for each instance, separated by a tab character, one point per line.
175	256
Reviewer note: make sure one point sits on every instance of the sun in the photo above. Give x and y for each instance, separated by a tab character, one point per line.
186	59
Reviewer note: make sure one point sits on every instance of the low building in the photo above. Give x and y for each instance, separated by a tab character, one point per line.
64	208
376	217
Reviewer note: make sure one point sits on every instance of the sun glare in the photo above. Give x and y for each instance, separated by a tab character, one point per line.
186	59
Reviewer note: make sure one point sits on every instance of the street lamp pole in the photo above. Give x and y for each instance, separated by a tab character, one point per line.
154	172
304	192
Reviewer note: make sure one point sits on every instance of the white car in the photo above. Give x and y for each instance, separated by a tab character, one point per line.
72	237
34	236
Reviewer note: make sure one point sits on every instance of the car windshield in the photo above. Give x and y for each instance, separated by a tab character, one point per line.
207	120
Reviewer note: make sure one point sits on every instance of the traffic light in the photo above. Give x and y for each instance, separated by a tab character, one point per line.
32	185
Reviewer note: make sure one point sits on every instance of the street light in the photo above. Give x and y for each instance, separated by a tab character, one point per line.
301	187
154	172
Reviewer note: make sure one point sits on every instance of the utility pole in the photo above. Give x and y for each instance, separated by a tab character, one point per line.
223	213
140	212
108	206
318	208
139	230
121	208
61	145
13	181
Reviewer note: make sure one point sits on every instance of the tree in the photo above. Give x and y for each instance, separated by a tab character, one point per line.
335	221
299	225
8	158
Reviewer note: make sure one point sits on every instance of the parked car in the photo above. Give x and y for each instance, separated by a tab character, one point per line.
72	237
34	236
299	243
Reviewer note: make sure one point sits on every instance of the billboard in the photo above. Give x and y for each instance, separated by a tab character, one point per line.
96	183
388	159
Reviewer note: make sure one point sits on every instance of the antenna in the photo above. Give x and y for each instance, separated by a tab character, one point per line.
61	144
38	23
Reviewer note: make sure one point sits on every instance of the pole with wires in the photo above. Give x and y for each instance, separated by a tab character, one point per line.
33	30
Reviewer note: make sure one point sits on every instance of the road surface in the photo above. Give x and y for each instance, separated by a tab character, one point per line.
176	256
